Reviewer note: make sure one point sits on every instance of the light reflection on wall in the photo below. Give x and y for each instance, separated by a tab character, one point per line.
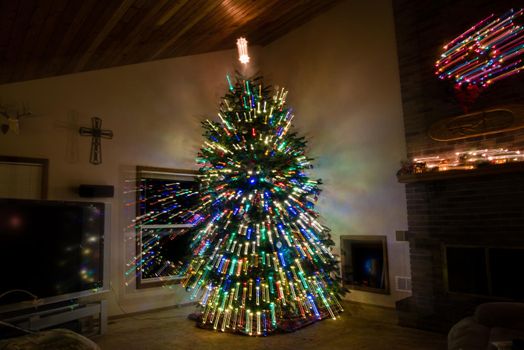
347	93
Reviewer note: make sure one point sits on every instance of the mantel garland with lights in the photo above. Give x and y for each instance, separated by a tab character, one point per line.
469	160
261	261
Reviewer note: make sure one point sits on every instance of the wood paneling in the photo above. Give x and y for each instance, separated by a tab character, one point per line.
43	38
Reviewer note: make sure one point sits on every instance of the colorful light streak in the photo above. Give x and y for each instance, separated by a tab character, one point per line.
489	51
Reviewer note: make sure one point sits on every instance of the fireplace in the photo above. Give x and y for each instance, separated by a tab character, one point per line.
365	263
466	245
485	271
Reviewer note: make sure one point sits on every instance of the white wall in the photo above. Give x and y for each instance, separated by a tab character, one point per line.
342	74
343	80
154	110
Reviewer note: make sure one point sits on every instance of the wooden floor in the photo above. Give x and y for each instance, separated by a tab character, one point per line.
358	328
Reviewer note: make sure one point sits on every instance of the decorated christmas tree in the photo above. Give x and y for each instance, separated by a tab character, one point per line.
261	262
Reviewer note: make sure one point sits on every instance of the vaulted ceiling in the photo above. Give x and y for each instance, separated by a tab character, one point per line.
43	38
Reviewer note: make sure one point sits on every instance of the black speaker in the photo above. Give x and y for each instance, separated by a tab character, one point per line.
91	191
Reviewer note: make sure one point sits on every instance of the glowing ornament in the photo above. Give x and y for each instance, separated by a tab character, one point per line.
243	57
489	51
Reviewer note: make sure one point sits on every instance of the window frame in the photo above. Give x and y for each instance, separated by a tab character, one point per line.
161	174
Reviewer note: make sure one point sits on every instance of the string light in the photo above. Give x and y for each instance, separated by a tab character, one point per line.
468	160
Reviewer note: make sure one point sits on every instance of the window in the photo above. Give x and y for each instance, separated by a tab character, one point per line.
23	178
162	223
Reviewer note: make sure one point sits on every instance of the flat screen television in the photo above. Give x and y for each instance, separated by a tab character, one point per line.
50	250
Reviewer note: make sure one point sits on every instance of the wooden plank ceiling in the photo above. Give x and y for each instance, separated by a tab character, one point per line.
43	38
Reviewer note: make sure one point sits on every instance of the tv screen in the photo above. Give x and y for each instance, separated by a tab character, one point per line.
49	248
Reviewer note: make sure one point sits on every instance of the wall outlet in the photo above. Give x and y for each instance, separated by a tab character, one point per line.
402	284
401	236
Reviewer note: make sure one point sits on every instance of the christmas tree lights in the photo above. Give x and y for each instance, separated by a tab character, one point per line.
261	261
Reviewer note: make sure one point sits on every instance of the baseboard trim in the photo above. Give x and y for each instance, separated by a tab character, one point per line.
371	312
142	312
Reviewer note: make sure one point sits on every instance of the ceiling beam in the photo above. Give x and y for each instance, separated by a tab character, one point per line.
210	6
170	13
117	15
132	38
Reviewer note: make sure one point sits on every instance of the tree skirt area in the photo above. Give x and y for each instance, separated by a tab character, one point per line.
285	326
358	328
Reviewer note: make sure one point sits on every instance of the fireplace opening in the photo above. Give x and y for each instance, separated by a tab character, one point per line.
365	263
485	271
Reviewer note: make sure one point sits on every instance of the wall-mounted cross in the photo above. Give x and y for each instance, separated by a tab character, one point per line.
97	134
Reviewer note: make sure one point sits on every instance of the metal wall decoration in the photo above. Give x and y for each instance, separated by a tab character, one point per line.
493	121
97	134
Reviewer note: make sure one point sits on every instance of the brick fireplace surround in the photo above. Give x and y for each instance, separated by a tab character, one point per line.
483	208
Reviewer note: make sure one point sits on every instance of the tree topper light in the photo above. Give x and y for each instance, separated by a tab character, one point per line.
243	57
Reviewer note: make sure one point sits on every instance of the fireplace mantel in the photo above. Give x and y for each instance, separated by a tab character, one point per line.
452	174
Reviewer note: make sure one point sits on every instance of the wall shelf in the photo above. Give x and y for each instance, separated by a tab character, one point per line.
53	315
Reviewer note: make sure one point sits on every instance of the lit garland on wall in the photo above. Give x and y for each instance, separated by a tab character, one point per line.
489	51
261	260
